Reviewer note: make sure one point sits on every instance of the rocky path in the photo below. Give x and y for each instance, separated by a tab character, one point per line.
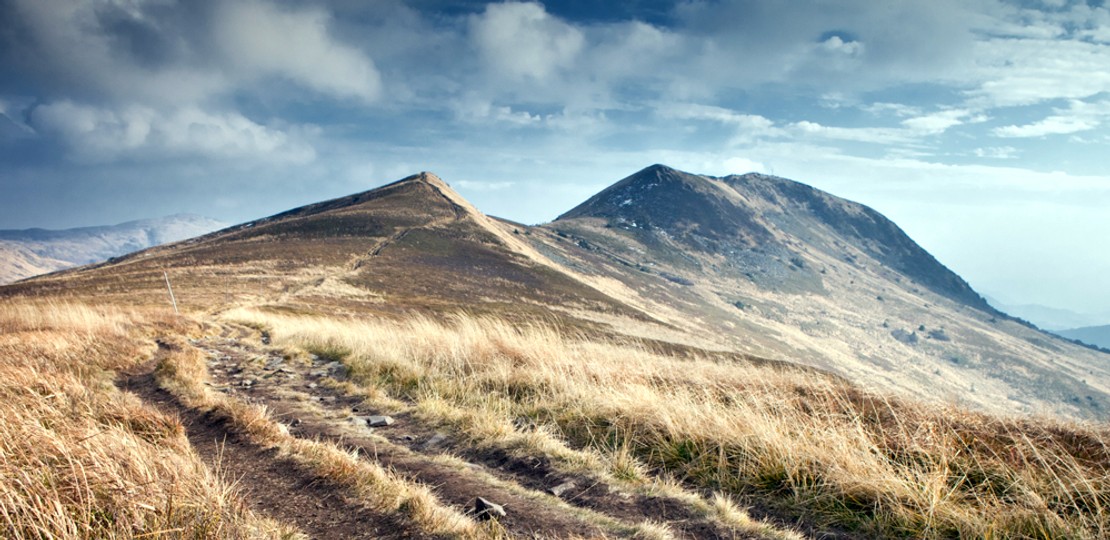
270	484
307	396
303	396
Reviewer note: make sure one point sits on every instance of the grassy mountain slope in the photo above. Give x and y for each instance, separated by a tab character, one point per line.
604	375
777	269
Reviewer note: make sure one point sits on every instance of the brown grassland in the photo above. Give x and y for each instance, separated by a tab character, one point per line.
80	459
794	443
797	449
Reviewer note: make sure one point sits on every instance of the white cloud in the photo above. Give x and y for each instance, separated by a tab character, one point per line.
1053	125
1079	116
474	109
695	111
521	41
261	39
997	152
97	135
1028	71
837	45
741	165
939	122
877	135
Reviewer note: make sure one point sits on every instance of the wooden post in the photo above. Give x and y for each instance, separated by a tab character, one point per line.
172	299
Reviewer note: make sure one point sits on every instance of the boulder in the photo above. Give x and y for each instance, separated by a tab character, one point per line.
485	509
560	489
379	421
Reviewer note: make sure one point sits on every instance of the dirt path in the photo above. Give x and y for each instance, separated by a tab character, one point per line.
300	396
275	486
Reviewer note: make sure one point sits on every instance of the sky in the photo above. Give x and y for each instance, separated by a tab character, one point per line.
982	127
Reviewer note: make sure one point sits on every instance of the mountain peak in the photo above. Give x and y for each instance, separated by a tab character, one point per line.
425	177
693	208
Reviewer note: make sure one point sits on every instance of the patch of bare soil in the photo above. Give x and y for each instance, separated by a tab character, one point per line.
299	395
275	486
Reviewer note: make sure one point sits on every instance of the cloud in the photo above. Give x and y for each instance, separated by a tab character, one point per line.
94	50
476	109
261	39
97	135
997	152
521	41
1053	125
740	165
162	52
694	111
940	121
1079	116
876	135
1015	72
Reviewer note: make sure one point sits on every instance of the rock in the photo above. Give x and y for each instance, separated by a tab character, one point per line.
560	489
246	382
434	441
312	385
275	363
939	335
909	338
484	509
379	421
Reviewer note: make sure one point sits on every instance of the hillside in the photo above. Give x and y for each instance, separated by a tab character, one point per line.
32	252
681	356
1098	336
755	266
777	269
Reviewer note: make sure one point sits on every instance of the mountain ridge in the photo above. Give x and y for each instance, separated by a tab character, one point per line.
767	278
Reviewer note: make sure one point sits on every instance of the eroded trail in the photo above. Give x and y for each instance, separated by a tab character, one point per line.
270	483
303	395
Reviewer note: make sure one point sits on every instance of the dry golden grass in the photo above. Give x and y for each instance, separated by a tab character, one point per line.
183	373
80	459
801	443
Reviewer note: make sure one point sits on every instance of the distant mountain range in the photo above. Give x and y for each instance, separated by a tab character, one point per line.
1051	318
1099	336
754	266
29	252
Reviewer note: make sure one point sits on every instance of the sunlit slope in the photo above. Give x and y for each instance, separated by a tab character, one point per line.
778	269
752	266
412	244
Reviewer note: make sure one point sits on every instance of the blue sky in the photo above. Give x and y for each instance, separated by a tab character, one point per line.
982	126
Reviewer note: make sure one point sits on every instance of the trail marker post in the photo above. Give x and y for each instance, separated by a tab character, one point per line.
169	288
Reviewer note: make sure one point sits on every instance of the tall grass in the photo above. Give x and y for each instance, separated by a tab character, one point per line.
80	459
182	372
804	444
